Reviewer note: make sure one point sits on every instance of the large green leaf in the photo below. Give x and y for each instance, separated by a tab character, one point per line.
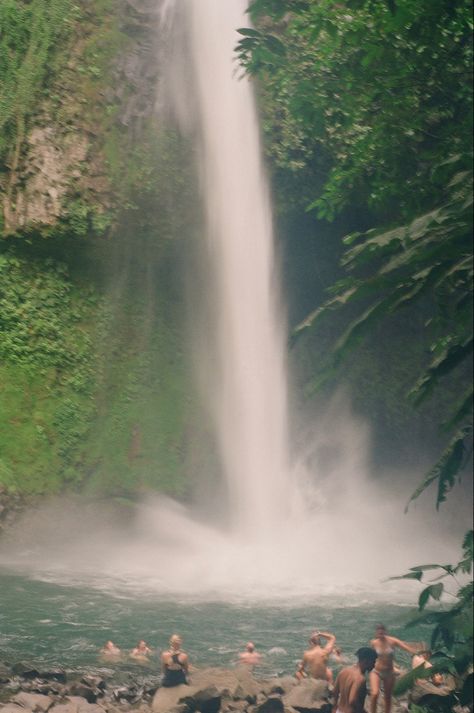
433	590
447	468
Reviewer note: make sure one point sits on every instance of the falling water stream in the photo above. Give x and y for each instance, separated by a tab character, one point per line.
249	401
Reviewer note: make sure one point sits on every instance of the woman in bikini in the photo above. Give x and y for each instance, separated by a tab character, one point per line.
174	663
384	671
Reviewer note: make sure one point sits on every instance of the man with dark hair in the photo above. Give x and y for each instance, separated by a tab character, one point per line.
350	690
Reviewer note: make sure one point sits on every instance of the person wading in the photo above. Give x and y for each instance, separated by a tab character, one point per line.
384	671
175	664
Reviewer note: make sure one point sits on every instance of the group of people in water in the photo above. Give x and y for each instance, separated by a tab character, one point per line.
350	686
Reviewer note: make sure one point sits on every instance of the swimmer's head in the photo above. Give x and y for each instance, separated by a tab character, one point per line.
250	647
380	630
175	641
366	657
315	639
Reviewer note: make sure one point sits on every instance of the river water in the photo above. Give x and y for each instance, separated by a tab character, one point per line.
49	624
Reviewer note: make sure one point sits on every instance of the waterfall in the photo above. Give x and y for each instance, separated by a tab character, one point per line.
249	399
318	524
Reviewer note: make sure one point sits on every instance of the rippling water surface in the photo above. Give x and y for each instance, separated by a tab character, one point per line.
46	623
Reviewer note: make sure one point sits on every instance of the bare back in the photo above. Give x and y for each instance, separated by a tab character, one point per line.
315	660
350	690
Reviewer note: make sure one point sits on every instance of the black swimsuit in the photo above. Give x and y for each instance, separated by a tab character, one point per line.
174	673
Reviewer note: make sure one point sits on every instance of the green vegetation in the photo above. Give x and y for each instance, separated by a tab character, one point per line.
46	373
369	120
384	127
93	391
29	33
452	626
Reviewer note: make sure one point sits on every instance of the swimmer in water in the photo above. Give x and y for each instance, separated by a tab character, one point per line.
141	650
250	657
110	650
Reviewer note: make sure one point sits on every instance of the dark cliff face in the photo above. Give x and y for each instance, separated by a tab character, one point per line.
100	88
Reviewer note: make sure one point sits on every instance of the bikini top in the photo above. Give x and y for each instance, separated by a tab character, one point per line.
175	664
387	651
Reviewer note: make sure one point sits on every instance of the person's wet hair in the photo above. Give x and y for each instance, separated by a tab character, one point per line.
366	653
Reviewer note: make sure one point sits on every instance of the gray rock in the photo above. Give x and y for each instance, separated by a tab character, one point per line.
205	700
33	701
82	705
25	671
231	706
280	685
11	708
273	704
166	699
230	684
70	707
309	695
83	691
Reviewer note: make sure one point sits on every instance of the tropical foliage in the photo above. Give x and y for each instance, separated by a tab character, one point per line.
452	634
369	109
369	102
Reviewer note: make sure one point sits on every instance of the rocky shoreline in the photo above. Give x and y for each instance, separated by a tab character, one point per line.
25	689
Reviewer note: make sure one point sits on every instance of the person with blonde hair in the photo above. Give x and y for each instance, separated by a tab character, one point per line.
174	663
315	659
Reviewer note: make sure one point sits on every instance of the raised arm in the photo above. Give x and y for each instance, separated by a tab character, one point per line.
403	645
331	640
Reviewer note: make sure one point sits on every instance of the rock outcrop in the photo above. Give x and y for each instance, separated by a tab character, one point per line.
59	170
213	690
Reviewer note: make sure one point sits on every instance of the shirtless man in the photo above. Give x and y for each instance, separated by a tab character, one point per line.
350	690
250	657
315	658
141	650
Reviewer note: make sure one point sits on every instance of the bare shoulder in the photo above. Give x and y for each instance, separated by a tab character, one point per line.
351	675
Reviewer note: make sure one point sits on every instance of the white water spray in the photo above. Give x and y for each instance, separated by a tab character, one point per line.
249	402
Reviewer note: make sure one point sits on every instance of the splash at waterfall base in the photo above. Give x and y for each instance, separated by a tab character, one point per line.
162	547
